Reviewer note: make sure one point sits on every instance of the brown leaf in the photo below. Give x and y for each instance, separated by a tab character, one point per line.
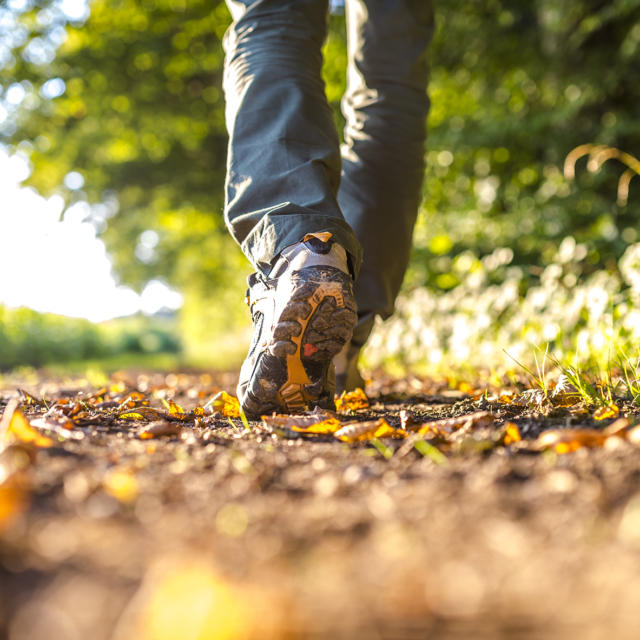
352	401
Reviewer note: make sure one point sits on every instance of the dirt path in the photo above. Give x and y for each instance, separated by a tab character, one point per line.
219	532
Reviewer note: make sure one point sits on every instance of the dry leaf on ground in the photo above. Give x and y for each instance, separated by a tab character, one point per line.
141	413
352	401
223	404
319	423
15	425
368	430
604	413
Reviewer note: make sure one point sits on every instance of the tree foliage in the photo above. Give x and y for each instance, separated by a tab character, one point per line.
131	99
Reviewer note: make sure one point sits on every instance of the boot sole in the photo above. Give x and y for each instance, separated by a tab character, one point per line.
292	372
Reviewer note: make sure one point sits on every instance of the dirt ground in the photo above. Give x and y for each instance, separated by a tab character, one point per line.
215	531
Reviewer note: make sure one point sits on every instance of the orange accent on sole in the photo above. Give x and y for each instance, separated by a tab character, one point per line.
309	349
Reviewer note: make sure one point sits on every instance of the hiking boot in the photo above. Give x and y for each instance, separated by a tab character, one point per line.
303	313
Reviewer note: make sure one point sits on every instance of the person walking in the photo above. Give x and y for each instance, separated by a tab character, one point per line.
327	228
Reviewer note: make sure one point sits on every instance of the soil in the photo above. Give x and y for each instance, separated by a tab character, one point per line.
213	531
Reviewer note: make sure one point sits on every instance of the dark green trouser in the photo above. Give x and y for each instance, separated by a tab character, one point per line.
286	175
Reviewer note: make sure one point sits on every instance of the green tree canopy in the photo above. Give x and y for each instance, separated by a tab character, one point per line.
131	100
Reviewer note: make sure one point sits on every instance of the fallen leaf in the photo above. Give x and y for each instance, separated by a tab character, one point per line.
603	413
511	433
131	415
160	428
141	413
224	404
15	425
368	430
176	410
352	400
318	423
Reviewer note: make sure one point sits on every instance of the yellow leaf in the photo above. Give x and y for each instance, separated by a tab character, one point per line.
224	404
512	433
610	411
198	411
122	485
326	426
141	413
368	430
20	428
317	423
131	415
352	400
176	410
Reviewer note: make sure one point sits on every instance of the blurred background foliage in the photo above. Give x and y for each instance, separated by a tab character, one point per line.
123	107
29	338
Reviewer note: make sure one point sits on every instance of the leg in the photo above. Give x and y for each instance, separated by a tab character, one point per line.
386	108
283	166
